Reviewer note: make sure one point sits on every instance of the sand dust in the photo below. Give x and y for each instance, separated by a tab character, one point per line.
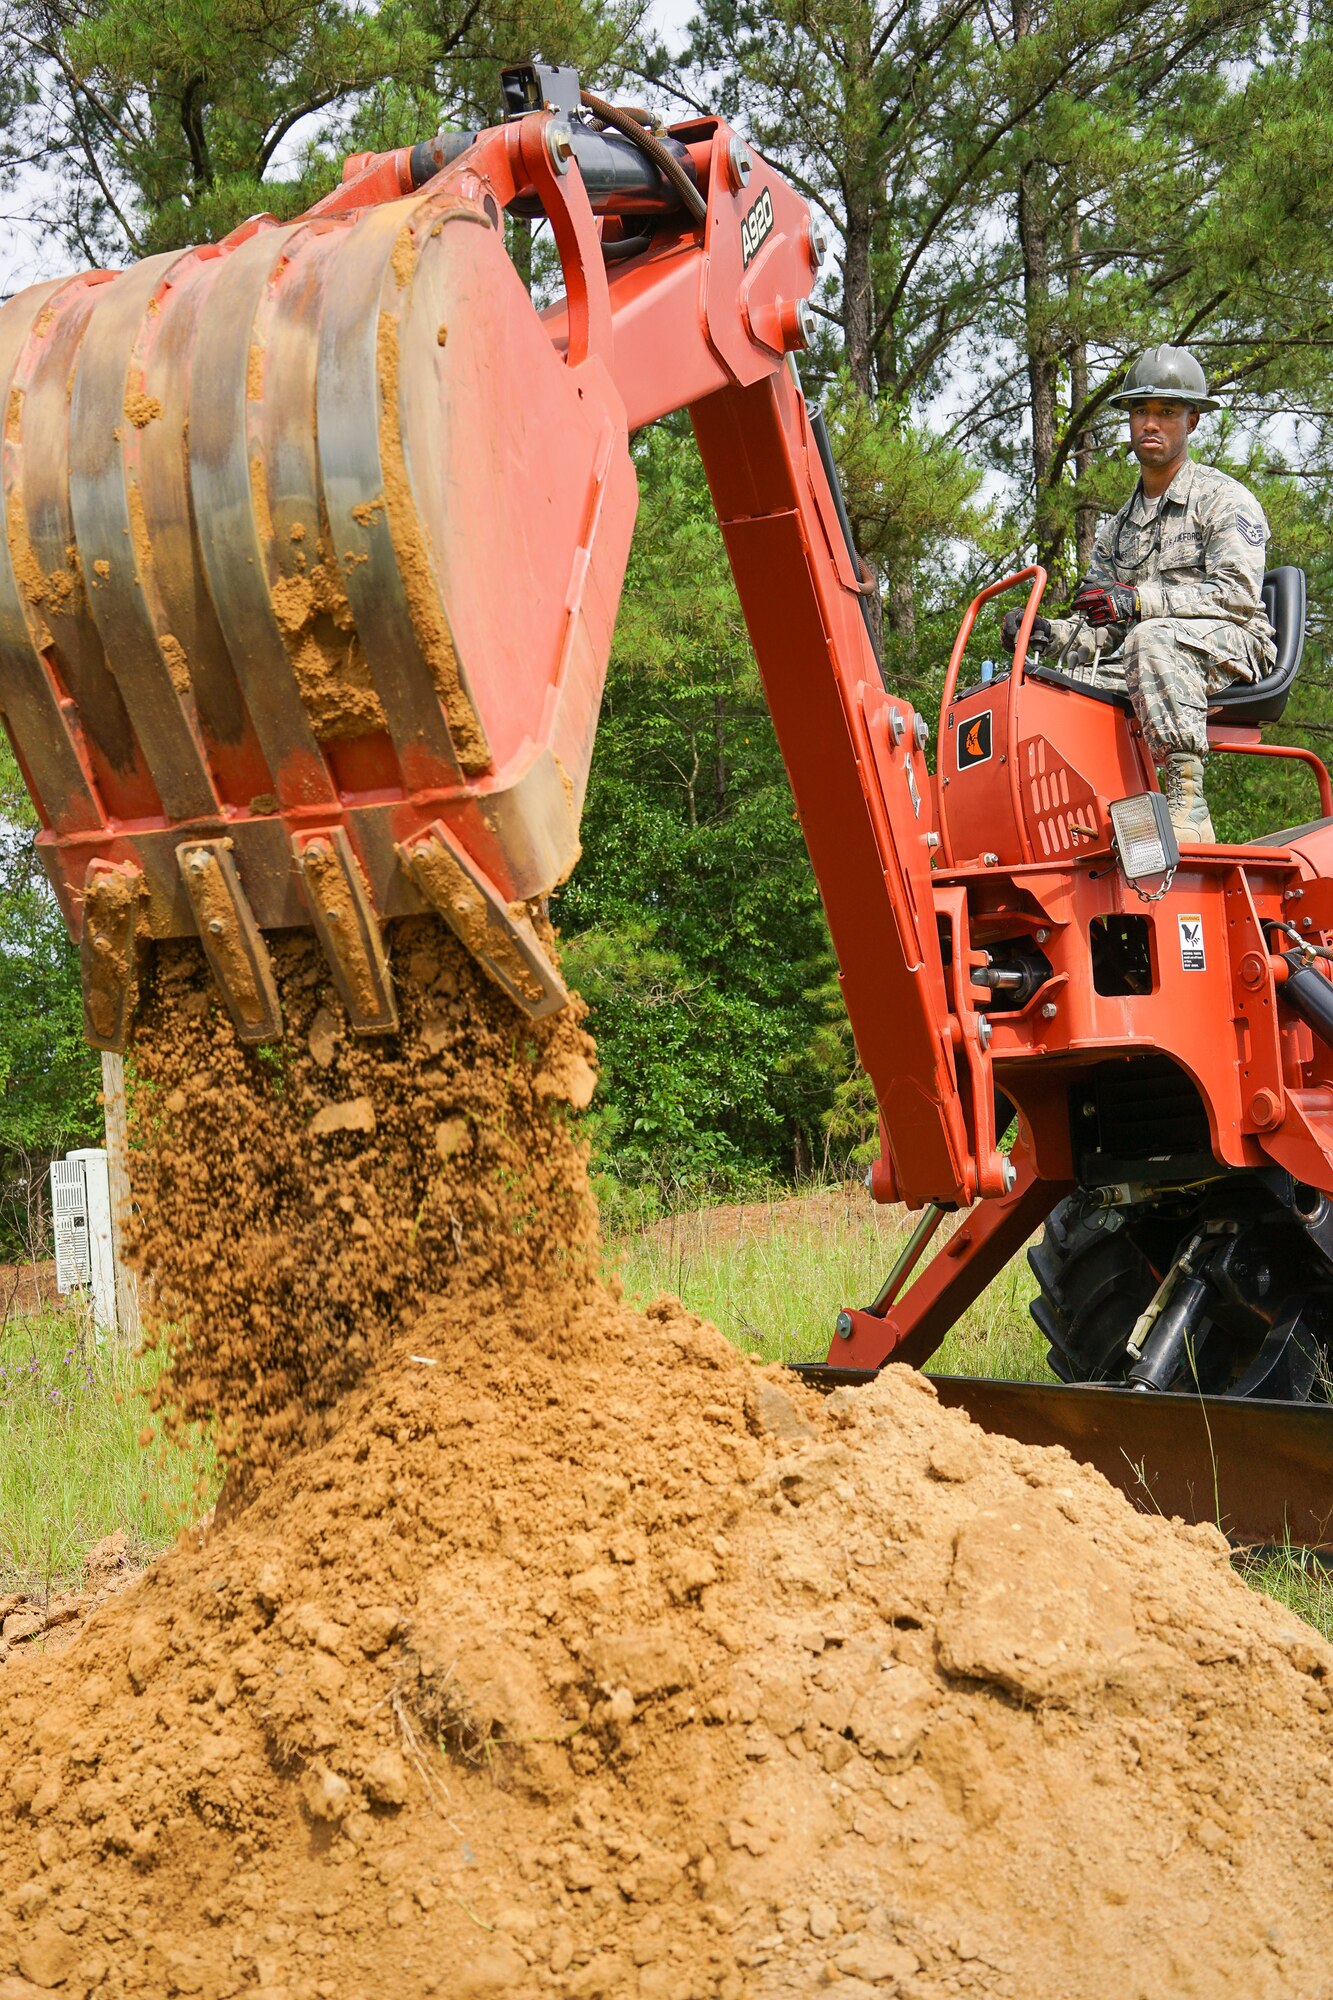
566	1652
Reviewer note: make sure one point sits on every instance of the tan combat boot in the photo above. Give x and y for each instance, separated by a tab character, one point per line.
1183	783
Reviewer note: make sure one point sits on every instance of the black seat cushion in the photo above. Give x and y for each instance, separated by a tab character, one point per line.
1052	676
1249	702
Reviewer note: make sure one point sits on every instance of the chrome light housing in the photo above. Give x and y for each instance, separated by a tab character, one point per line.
1145	840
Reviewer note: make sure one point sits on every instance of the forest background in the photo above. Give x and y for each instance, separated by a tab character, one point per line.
1019	195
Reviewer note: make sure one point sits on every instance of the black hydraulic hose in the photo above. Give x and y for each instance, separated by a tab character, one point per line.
824	446
625	247
652	148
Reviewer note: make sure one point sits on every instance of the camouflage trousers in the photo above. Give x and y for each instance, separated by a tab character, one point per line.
1167	675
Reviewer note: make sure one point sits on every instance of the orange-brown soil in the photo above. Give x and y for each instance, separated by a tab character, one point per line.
563	1651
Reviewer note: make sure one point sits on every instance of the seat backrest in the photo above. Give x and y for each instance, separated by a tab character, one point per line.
1284	602
1252	702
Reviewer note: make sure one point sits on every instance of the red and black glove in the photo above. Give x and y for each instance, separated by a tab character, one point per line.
1107	603
1041	632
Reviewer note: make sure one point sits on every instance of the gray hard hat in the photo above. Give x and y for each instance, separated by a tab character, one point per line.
1168	375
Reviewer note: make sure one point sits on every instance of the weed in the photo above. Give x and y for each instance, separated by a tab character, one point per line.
1297	1578
71	1467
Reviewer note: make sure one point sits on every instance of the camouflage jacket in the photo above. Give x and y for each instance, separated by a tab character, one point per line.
1196	556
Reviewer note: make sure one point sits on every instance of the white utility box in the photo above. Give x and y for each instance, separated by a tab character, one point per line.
81	1224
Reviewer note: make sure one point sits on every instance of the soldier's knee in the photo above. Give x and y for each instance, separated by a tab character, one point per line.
1155	640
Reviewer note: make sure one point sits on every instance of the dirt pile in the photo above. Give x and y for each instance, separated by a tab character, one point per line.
575	1655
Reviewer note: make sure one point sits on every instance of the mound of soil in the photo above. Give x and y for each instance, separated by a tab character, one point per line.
570	1653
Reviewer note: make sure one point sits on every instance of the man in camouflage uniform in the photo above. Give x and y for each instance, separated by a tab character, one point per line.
1171	609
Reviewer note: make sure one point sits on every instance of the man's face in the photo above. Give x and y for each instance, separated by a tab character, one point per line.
1159	430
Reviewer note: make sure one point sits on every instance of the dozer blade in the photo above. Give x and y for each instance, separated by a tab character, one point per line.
1260	1471
312	548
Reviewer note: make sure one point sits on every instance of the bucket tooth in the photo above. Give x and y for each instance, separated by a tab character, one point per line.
108	952
503	943
232	940
344	917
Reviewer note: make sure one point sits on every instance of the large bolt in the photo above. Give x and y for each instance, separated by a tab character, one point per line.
983	1031
1264	1110
818	243
1008	1173
559	145
842	1326
1049	1010
739	162
897	727
796	324
921	731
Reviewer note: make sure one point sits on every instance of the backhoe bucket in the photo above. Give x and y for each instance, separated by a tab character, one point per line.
313	546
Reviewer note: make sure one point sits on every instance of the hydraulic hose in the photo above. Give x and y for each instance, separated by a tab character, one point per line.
652	148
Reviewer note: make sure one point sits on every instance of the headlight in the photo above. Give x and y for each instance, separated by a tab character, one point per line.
1145	839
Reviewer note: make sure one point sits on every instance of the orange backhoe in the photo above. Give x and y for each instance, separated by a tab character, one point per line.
314	541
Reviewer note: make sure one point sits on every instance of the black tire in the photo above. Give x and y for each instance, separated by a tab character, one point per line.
1094	1284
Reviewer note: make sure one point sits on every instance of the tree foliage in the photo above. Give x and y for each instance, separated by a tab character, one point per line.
159	123
49	1078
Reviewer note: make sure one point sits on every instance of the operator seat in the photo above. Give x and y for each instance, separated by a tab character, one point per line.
1245	704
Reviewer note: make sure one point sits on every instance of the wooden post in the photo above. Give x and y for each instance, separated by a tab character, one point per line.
118	1174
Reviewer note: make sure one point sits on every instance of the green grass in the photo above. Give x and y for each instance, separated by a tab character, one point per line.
1295	1578
774	1286
71	1466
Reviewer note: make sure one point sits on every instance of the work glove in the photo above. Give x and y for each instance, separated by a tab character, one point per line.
1041	632
1107	603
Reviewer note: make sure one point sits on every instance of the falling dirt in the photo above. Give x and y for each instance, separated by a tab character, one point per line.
292	1206
560	1650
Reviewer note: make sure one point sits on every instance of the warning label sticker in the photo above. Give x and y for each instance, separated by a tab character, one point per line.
1191	944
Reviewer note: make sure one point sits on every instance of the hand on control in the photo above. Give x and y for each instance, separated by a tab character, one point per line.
1107	603
1041	632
